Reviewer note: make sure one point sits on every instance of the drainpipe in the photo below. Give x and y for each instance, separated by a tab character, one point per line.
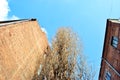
111	67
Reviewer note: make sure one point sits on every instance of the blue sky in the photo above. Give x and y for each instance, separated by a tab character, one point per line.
86	17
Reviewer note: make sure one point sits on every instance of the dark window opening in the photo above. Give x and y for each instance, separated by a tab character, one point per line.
114	41
107	76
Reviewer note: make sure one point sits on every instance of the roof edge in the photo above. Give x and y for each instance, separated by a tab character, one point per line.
8	21
114	20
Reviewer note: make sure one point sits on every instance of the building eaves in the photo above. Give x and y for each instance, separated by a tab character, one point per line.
114	20
2	23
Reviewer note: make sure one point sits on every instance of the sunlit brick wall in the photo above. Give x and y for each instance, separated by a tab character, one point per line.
22	45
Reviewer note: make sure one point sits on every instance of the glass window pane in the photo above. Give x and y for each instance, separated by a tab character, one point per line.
107	76
114	41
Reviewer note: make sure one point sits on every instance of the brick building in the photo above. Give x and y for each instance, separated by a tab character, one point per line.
22	45
110	63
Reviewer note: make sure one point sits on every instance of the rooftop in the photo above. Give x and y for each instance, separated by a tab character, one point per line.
2	23
114	20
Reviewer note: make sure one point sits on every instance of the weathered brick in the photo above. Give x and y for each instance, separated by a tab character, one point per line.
22	45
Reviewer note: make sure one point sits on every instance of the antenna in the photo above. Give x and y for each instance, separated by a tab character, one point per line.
111	7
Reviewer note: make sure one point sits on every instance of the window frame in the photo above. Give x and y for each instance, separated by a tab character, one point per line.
107	75
114	41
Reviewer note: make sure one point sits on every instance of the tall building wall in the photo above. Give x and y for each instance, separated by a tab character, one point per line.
110	65
22	45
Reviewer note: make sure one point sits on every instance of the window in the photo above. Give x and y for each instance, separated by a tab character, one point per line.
107	76
114	41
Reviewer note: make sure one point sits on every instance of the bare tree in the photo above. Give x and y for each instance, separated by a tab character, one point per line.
84	70
65	48
65	60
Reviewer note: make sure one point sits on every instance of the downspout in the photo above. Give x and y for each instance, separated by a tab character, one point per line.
111	67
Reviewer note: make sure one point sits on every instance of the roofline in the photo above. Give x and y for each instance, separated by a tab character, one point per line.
7	21
2	23
114	20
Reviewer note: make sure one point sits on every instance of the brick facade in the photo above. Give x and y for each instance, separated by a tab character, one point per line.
22	45
110	64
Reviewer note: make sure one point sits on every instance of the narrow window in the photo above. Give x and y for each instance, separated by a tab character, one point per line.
107	76
114	41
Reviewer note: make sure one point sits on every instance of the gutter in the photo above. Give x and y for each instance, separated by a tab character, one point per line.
3	23
111	67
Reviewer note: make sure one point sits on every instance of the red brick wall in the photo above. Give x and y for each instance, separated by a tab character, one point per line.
22	45
111	54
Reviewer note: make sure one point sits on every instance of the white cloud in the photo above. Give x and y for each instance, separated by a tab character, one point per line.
4	11
13	17
44	30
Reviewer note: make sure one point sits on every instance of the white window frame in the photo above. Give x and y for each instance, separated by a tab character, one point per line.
114	41
107	75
